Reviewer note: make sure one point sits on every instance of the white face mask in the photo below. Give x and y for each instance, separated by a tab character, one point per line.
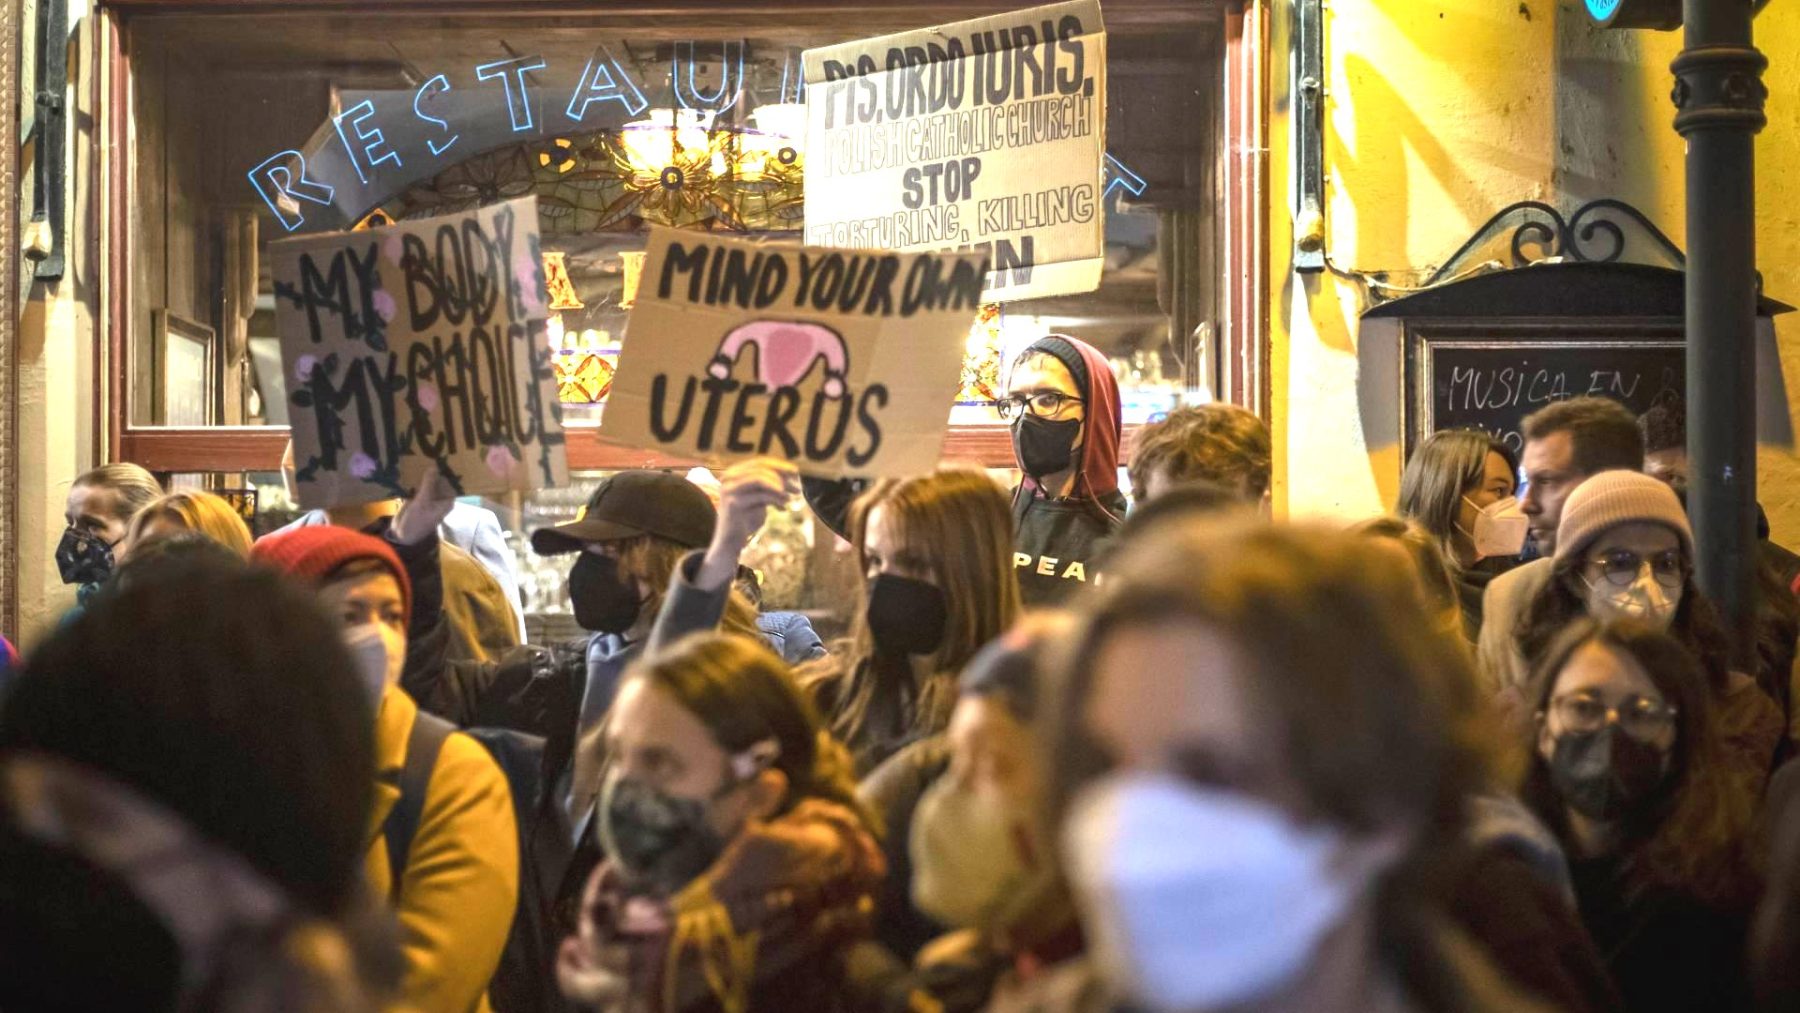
1500	528
1197	898
370	649
1645	600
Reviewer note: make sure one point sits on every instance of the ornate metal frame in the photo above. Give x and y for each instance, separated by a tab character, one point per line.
1588	235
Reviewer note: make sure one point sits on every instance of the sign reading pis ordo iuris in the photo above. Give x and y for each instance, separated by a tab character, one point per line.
844	362
419	347
986	134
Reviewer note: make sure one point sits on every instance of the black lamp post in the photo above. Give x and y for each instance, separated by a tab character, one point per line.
1719	110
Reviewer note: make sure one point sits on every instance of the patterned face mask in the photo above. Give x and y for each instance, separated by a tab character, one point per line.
662	842
83	558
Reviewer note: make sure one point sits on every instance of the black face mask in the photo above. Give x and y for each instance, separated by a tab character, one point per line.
1605	774
603	601
82	558
1043	447
657	841
906	616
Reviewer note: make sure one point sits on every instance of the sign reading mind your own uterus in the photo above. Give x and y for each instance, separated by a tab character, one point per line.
844	362
419	348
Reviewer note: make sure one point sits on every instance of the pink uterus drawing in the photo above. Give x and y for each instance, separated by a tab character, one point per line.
785	354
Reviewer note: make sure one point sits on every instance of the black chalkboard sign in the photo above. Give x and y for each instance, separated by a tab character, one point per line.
1490	374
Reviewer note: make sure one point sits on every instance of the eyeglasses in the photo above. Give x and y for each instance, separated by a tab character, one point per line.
1044	404
1640	716
1622	567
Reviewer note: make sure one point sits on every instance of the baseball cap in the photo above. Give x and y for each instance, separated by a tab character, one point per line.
633	503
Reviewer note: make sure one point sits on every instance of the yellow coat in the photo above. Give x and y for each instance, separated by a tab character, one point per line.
462	876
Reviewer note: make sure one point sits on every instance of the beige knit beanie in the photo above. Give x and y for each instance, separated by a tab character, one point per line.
1612	498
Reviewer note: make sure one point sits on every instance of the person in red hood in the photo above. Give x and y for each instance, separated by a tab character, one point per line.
1063	404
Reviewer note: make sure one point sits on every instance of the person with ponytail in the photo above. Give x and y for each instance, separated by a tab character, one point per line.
740	866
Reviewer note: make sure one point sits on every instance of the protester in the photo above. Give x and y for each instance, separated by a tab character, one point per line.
1624	550
1625	766
476	537
183	798
937	585
99	509
630	579
1565	444
455	887
1459	485
187	511
1260	763
739	865
1063	403
980	857
1218	443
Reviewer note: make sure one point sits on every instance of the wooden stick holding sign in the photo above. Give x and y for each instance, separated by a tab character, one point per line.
844	362
415	348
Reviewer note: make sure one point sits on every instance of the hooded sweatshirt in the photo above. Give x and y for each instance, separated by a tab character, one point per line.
1056	541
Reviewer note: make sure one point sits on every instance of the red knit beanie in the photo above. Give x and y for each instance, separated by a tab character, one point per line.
317	551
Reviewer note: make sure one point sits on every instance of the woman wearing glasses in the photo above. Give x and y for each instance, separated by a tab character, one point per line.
1626	767
1624	551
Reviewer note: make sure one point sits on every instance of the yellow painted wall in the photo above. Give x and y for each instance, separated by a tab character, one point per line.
1438	114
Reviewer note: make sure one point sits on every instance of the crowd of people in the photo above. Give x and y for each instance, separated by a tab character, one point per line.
1073	753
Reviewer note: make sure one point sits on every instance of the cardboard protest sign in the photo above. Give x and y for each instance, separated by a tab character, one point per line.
415	347
842	361
987	134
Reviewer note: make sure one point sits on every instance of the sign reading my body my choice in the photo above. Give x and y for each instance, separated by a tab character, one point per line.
419	347
844	362
986	134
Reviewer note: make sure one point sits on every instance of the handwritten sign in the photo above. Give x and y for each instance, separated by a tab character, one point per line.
415	347
987	134
841	361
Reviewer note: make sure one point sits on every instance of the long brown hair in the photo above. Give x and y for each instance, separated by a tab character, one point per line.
1449	465
1694	840
654	560
955	527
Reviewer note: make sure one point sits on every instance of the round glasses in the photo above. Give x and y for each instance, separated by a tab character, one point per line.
1622	567
1044	404
1640	716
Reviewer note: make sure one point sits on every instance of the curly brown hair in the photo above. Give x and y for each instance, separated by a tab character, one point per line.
1219	443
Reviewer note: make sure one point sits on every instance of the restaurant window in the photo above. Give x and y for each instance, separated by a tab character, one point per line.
716	143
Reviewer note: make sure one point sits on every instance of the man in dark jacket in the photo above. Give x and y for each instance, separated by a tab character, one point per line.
1063	404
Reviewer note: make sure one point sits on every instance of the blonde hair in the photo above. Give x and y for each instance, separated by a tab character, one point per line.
134	486
199	512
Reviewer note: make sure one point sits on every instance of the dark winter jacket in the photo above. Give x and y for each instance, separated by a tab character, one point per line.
1666	952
